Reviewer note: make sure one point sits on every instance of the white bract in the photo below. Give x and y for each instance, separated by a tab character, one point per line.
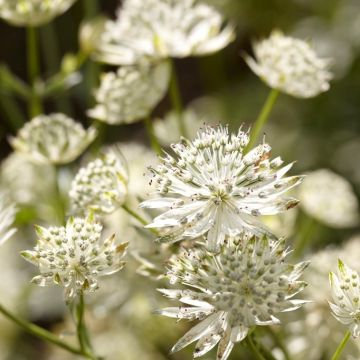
244	285
7	217
73	256
345	288
211	187
131	93
290	65
158	29
32	12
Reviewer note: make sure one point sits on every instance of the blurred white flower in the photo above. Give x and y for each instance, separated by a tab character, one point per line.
7	217
131	93
330	199
211	187
32	12
74	257
54	139
290	65
244	285
158	29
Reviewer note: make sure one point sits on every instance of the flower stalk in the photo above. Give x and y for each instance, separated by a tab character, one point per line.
341	346
151	134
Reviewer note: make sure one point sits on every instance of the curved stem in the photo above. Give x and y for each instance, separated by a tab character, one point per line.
278	342
254	349
152	137
341	346
81	330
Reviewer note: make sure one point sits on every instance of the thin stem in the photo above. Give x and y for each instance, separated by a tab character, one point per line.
60	206
81	330
254	349
152	137
262	118
278	342
12	114
176	99
303	238
341	346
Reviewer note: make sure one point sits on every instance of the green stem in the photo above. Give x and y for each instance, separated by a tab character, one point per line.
152	137
262	118
12	114
176	99
301	241
35	107
254	349
341	346
60	206
278	342
81	330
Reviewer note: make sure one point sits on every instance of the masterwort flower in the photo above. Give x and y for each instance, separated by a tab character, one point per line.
212	187
290	65
345	288
101	186
32	12
244	285
73	256
7	217
131	93
54	139
158	29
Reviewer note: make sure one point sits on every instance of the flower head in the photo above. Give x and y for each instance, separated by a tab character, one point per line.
7	217
158	29
131	93
290	65
101	186
212	187
73	256
244	285
54	139
345	288
32	12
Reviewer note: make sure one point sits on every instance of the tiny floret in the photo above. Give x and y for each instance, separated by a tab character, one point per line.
246	284
212	187
7	217
290	65
74	257
53	139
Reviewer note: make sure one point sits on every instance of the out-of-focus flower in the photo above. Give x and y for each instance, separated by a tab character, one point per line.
7	217
330	199
211	187
101	186
32	12
90	33
290	65
74	257
345	288
244	285
158	29
131	93
54	139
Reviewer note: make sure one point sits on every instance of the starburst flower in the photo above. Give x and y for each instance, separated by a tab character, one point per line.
131	93
73	256
101	186
158	29
345	288
7	217
244	285
290	65
54	139
32	12
212	187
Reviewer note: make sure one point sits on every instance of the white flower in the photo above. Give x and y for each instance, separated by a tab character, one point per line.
32	12
131	93
74	257
330	199
345	288
101	186
244	285
211	187
54	139
158	29
290	65
7	217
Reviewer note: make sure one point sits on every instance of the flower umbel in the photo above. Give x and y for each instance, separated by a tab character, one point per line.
345	288
244	285
290	65
74	257
212	187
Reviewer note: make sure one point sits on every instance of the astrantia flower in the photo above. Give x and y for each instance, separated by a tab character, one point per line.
290	65
244	285
74	256
211	187
101	186
158	29
329	198
7	217
54	139
131	93
32	12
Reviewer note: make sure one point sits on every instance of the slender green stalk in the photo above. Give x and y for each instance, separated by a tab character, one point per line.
12	115
176	99
262	118
341	346
278	342
35	107
305	232
254	349
81	330
152	137
60	206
